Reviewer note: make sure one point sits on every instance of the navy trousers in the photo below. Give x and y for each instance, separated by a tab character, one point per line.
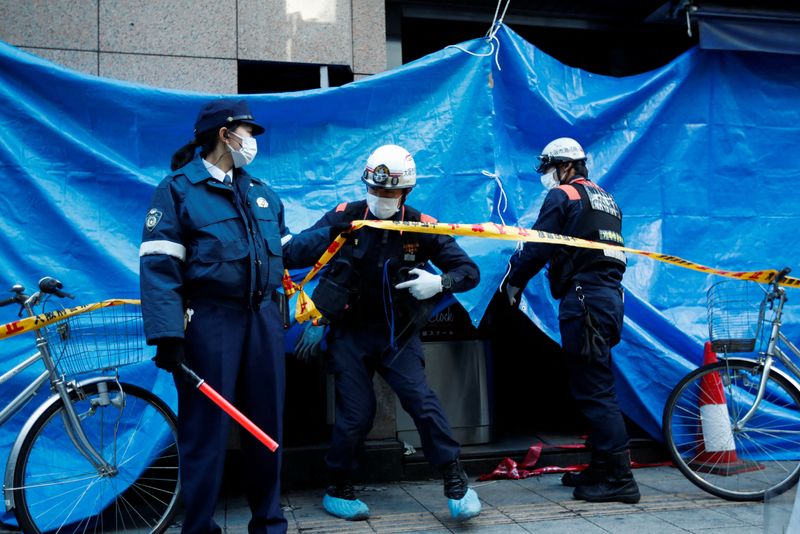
357	355
592	380
239	353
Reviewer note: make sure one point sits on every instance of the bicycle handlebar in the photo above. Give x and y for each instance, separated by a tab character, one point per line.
50	285
6	302
47	284
781	275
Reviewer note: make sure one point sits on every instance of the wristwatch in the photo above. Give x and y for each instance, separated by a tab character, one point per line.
447	282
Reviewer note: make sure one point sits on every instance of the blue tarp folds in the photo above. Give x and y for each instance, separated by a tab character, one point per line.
700	154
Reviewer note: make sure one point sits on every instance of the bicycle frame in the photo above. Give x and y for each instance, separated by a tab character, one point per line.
8	485
62	390
122	467
19	402
772	352
731	426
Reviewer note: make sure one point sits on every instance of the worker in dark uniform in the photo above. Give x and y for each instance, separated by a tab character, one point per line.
588	283
377	294
213	251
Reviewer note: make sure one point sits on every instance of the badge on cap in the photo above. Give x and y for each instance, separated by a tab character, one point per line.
262	202
152	219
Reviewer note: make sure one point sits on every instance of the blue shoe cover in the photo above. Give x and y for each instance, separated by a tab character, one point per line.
466	507
346	509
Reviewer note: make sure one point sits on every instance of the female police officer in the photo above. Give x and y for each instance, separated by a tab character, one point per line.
210	262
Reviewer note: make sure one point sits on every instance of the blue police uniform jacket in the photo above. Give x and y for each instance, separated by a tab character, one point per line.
205	239
378	256
578	209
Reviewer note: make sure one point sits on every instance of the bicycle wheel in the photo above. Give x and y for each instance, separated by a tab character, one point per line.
57	490
701	429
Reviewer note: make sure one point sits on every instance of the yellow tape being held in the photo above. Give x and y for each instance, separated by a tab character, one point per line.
513	233
306	310
38	321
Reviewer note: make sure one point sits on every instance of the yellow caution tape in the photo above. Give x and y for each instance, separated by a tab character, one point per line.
513	233
38	321
304	308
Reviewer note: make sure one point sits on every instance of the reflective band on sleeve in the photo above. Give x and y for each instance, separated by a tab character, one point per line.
285	239
176	250
616	254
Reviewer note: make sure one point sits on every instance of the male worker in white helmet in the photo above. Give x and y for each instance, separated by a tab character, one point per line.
376	294
588	283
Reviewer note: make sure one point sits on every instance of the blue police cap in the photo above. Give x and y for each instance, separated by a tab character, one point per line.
219	113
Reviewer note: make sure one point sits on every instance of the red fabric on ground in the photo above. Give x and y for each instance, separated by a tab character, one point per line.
508	469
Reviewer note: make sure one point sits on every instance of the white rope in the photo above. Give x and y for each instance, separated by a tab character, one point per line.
497	52
487	54
502	199
496	23
494	19
517	249
492	50
491	36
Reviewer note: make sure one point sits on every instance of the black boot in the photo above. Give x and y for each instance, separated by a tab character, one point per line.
340	499
617	485
593	474
340	485
342	491
456	482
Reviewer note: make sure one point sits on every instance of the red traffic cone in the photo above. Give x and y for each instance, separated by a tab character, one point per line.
716	451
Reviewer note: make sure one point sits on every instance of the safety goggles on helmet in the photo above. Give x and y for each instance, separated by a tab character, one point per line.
546	162
390	167
380	176
561	150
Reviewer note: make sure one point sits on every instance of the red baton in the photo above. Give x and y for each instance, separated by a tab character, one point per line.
230	409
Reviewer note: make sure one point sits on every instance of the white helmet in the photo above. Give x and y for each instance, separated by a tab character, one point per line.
390	167
560	150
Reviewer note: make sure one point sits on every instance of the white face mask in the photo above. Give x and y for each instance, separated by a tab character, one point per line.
246	154
549	180
382	207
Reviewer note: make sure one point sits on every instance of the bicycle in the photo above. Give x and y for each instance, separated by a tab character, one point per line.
98	455
733	427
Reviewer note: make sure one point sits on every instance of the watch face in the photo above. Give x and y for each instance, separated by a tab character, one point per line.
447	282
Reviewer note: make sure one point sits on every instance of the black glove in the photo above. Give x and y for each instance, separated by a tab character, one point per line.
169	354
339	228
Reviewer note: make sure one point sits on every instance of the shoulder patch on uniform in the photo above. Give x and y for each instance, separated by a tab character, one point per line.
341	207
427	218
571	191
152	219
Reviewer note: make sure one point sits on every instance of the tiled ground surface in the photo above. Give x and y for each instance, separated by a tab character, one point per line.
670	504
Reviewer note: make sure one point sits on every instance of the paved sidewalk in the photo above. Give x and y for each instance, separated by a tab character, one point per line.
670	504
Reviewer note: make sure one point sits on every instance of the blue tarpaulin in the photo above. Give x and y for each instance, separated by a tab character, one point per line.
700	154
